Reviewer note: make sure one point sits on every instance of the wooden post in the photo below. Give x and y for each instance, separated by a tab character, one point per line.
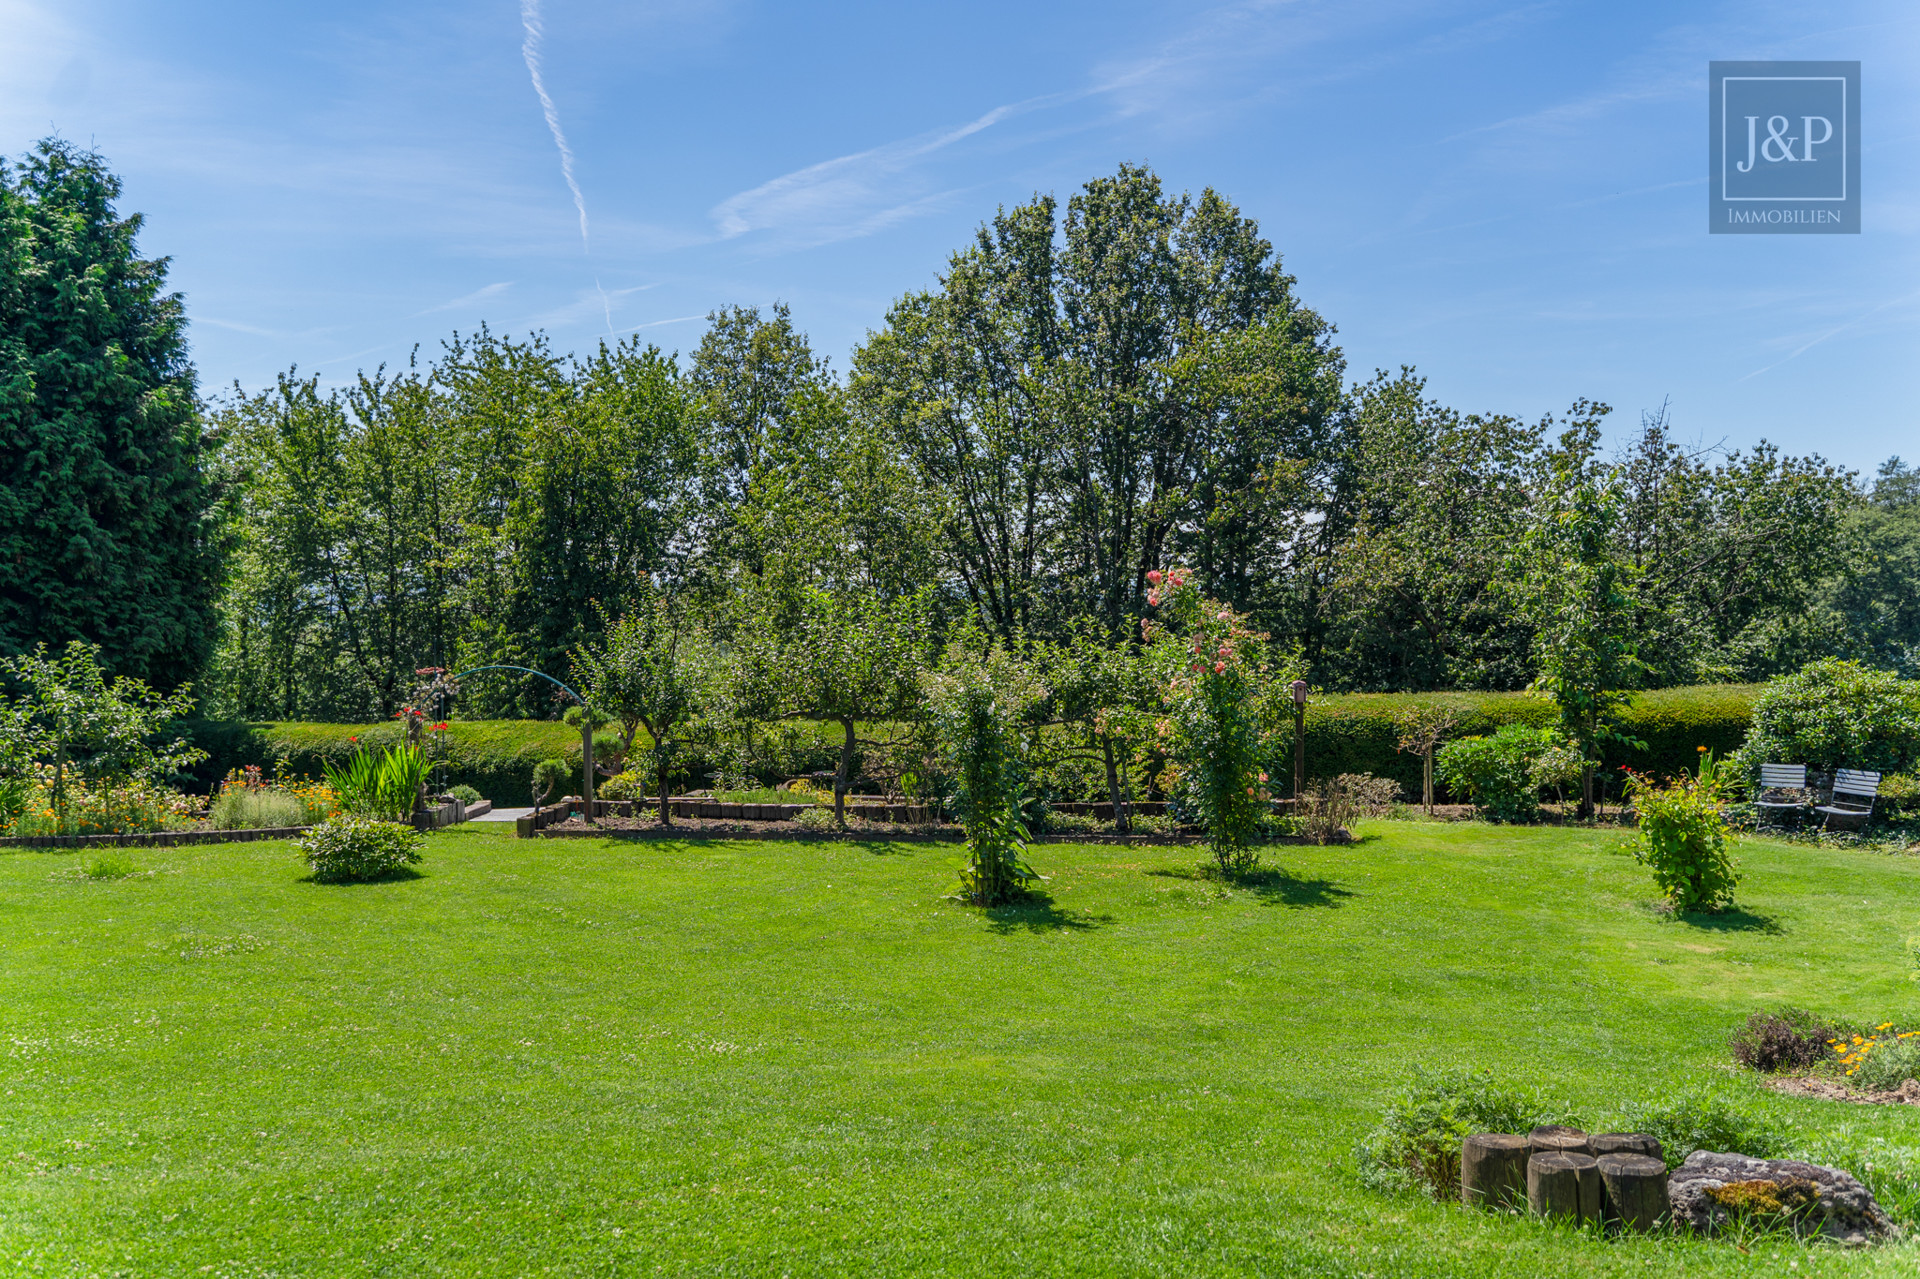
586	762
1299	742
1559	1139
1493	1170
1623	1143
1564	1185
1636	1190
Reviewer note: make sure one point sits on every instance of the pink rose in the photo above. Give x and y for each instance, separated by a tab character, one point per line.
1219	667
1153	575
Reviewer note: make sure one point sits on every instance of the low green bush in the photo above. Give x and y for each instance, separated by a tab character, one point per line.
465	794
1416	1144
816	819
1504	774
355	849
251	807
1700	1119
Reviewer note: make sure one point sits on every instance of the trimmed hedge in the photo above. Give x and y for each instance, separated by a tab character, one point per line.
1354	732
1346	733
496	757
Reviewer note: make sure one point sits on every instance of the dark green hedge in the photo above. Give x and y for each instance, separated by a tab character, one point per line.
1346	733
1354	732
495	757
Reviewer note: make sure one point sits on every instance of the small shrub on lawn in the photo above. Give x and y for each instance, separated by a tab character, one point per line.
352	849
1417	1142
107	868
250	807
465	794
1791	1039
1331	807
1683	840
1700	1120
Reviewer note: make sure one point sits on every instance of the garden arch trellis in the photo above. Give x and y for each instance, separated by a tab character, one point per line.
586	726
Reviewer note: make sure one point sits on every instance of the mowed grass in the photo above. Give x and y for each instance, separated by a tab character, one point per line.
577	1058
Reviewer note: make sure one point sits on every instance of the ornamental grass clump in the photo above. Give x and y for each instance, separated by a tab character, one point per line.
354	849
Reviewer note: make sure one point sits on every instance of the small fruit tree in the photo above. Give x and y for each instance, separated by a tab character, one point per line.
1220	713
980	709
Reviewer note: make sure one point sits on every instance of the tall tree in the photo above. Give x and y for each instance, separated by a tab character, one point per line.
106	502
1096	390
1727	557
1419	527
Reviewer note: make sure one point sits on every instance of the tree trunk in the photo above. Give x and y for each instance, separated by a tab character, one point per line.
1120	822
1493	1170
1564	1185
1426	780
1636	1190
844	775
1586	793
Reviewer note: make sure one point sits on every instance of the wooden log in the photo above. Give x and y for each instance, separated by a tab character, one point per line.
1635	1190
1558	1138
1560	1184
1493	1170
1623	1143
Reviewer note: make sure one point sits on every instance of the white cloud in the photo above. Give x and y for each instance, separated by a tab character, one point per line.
850	196
467	299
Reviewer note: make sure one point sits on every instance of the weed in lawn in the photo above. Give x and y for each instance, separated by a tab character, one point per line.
104	867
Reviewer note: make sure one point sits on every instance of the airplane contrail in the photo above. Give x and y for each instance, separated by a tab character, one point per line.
530	50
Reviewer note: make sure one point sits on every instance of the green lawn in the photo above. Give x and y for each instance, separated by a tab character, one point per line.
581	1059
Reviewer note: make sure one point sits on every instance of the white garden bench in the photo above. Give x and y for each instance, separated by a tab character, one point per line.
1854	791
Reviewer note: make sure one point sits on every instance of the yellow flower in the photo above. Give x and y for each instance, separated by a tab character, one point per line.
1883	1025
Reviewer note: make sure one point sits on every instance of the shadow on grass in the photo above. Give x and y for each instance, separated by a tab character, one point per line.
1037	913
401	876
1273	886
1732	920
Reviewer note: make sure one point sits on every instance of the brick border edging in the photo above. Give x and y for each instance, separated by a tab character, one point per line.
154	839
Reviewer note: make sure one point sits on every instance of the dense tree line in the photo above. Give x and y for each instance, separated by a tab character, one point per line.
1086	394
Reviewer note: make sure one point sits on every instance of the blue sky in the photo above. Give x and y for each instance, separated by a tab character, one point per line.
1509	197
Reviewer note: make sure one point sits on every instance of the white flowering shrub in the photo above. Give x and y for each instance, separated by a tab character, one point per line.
350	849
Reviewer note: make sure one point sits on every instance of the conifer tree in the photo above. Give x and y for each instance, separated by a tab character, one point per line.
105	493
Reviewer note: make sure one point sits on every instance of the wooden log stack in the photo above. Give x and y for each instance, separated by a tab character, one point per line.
1554	1171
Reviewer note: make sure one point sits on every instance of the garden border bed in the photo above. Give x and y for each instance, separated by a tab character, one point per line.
437	818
